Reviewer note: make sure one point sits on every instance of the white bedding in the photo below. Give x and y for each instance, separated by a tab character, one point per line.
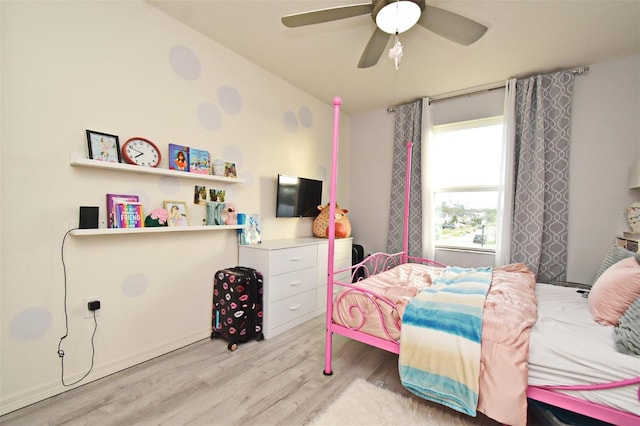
567	347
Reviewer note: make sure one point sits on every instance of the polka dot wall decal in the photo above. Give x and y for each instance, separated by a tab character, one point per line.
229	100
290	121
184	62
135	285
306	117
31	323
209	116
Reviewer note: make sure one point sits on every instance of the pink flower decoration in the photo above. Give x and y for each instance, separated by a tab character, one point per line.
160	214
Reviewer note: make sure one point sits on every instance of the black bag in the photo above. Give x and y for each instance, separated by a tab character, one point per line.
237	305
357	256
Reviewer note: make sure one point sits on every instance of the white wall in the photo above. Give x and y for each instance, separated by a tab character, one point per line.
370	178
604	142
127	69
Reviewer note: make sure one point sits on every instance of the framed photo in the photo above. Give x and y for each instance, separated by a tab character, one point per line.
200	195
103	147
177	213
230	170
217	195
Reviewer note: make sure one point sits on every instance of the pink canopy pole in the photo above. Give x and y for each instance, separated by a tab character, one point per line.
407	188
332	231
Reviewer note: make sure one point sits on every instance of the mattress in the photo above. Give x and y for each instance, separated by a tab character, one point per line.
567	347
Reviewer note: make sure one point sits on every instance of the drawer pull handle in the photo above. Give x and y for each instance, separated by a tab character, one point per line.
294	307
295	282
295	259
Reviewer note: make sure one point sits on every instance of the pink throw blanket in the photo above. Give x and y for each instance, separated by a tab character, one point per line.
510	311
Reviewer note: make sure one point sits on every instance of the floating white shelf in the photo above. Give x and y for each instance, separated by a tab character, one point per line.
76	159
118	231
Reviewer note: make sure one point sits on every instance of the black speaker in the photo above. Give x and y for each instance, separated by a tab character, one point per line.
88	217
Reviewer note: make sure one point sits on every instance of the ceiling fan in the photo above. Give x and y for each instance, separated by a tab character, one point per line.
393	17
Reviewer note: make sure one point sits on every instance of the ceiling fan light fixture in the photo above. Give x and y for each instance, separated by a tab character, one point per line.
398	16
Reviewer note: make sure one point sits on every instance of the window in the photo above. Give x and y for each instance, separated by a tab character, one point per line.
465	178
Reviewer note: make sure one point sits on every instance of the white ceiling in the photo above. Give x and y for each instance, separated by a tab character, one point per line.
524	37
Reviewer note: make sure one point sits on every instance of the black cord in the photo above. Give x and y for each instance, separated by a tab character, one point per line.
66	322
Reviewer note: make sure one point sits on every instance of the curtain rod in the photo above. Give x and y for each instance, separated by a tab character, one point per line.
469	91
484	88
455	94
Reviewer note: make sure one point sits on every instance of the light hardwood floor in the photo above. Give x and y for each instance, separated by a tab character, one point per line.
272	382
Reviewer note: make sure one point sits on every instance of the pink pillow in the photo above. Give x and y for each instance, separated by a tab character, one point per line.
614	291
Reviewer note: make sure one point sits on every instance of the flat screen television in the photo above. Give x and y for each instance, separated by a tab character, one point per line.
298	196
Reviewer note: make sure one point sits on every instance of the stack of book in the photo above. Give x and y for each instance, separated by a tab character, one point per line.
189	159
124	211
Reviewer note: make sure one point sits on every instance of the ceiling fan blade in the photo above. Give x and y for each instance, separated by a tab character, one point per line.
451	26
375	47
326	15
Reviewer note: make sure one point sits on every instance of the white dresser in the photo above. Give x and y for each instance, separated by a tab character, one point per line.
295	278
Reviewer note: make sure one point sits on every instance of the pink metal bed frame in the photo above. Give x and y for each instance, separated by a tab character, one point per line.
379	262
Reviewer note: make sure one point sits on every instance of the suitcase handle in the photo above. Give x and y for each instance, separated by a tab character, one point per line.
294	307
295	282
295	259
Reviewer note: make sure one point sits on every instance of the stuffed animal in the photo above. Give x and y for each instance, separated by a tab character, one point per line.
321	222
232	214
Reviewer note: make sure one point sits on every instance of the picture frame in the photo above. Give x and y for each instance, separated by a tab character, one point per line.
230	170
103	146
200	195
177	213
217	195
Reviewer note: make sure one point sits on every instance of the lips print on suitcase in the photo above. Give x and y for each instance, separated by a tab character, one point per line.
237	305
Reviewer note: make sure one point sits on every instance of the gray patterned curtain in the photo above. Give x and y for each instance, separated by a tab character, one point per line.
407	127
540	216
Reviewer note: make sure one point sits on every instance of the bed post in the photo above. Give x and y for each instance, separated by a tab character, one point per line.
332	229
407	191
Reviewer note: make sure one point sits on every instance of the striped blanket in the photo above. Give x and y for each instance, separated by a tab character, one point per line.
441	337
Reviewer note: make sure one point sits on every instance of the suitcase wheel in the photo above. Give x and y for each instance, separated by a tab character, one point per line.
213	335
232	346
260	337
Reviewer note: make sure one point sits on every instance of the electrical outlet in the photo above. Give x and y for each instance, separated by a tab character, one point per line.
89	314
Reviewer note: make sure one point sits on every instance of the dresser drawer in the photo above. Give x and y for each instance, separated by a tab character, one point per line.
291	308
293	259
292	283
342	251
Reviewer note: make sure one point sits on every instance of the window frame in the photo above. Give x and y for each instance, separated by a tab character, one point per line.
454	126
